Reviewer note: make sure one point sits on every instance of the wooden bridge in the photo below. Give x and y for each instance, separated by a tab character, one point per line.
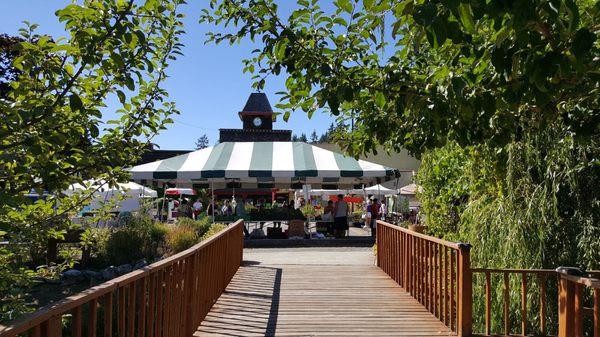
419	286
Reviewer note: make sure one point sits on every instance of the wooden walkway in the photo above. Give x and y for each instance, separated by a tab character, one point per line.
317	300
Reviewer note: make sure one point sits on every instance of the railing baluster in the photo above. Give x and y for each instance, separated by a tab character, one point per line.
542	280
523	304
506	303
151	316
453	283
578	310
108	314
92	318
488	304
142	308
596	312
76	322
131	310
121	312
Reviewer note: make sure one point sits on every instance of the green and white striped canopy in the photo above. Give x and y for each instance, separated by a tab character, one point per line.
279	164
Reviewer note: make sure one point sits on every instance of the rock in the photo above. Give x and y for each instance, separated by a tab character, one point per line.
92	275
109	273
141	264
124	269
72	275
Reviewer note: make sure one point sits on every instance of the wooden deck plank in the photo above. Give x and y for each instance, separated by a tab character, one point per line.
317	300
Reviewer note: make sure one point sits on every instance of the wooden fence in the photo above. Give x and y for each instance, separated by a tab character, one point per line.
435	272
438	274
166	299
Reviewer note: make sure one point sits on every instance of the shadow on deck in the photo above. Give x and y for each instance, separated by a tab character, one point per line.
317	300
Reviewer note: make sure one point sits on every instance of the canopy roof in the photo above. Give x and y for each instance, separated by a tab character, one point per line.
280	164
410	189
380	190
131	188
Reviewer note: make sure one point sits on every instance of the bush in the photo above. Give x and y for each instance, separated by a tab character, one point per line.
124	246
214	229
181	237
201	225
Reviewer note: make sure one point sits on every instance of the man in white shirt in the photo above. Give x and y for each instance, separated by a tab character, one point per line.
340	221
197	206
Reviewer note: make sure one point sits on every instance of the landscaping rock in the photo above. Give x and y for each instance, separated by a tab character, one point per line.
72	275
109	273
124	269
92	275
141	264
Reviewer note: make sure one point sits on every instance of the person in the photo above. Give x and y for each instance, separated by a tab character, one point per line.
383	210
328	211
368	215
413	216
240	208
197	208
375	211
184	210
340	221
226	210
210	208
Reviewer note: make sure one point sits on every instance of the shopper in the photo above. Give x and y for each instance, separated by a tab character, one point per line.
375	212
340	221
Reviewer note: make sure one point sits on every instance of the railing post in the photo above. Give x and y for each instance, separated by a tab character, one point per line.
465	291
569	304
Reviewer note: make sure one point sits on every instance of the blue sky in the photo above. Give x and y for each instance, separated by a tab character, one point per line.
206	83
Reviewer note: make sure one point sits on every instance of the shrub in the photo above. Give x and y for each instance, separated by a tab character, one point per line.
201	225
125	246
214	229
181	237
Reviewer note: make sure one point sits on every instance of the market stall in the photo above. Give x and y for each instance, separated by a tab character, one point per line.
263	165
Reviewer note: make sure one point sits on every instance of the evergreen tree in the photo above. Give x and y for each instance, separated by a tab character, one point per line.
202	142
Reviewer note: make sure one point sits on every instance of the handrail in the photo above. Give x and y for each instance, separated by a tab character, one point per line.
571	307
435	272
526	276
167	298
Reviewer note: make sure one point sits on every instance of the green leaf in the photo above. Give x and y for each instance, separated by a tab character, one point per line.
466	16
582	42
75	102
121	96
345	5
380	99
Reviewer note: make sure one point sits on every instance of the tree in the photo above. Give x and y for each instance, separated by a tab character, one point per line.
302	138
314	138
54	132
202	142
8	52
501	99
466	71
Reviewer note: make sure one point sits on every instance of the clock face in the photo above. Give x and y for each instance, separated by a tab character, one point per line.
257	121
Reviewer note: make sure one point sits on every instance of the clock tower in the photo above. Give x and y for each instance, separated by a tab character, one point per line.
257	118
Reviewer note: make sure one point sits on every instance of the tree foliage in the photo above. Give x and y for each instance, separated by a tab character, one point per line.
202	142
8	52
56	129
467	71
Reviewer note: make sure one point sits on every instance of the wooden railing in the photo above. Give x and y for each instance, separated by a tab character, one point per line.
572	311
435	272
438	274
526	278
169	298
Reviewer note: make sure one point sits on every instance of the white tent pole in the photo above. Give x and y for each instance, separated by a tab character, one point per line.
212	188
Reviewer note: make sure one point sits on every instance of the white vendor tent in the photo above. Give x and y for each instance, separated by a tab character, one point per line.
264	165
103	193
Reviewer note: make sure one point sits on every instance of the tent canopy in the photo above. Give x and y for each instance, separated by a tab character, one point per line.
264	164
410	189
131	188
380	190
